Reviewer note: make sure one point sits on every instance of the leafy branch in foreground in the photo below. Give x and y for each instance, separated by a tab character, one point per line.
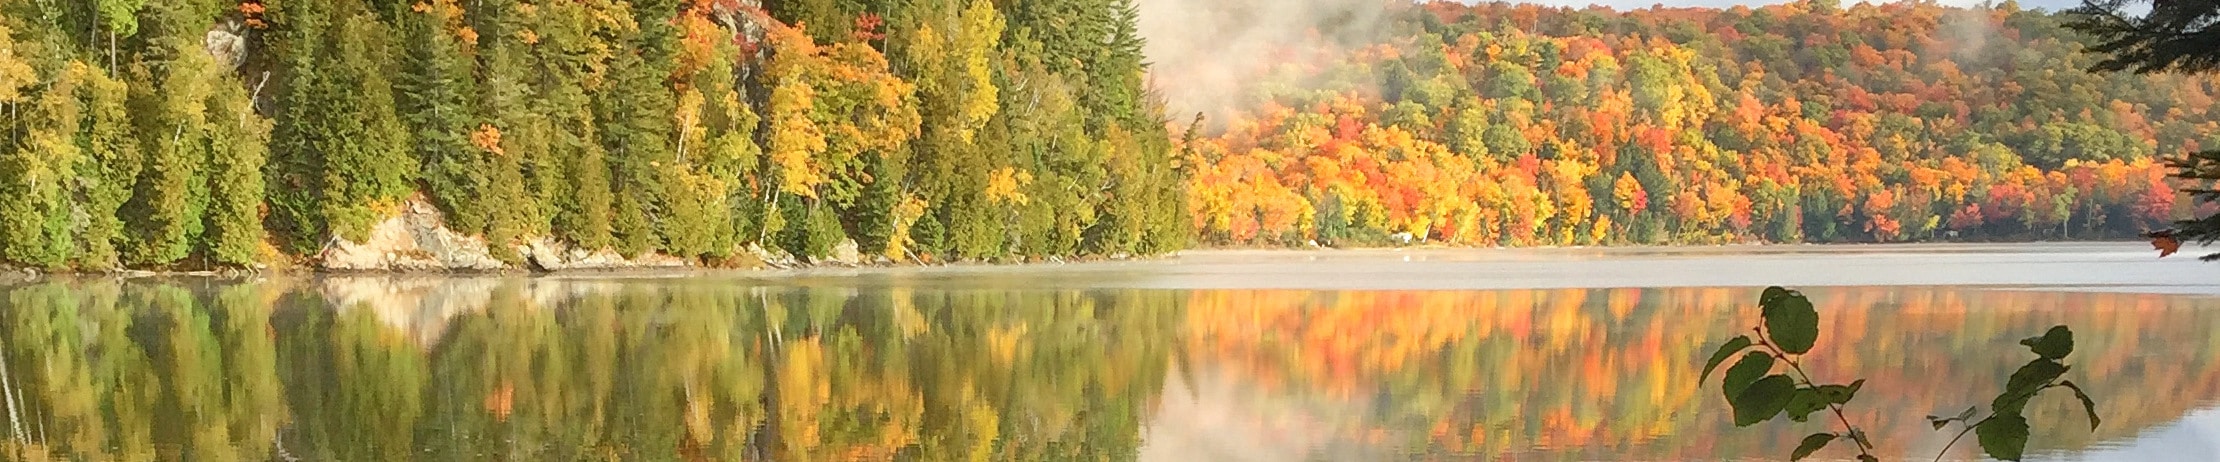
1787	331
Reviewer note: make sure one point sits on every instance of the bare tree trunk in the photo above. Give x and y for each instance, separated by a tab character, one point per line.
7	385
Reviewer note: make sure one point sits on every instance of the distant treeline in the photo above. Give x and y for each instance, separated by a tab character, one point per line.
1497	124
220	133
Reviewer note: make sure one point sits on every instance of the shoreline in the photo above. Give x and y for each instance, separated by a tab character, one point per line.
1195	256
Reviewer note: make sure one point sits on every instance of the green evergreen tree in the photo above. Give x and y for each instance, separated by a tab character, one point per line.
634	126
634	111
171	194
433	86
344	150
522	178
37	160
106	178
827	21
238	146
572	172
2163	37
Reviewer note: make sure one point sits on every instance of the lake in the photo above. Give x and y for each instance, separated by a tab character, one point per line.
1562	354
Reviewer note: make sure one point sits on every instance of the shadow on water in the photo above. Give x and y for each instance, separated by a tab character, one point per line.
683	369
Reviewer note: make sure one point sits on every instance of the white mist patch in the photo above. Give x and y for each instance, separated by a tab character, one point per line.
1207	54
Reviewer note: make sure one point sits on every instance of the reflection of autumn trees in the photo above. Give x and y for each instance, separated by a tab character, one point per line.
614	371
1610	372
553	370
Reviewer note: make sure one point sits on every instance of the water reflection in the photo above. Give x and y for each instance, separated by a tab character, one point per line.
515	369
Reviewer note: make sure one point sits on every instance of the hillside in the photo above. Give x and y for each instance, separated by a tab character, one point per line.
1805	122
228	133
557	134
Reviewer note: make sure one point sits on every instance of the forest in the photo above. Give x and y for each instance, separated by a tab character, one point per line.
1523	125
199	134
223	133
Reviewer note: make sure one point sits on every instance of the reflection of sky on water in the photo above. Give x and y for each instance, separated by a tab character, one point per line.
2196	435
1473	368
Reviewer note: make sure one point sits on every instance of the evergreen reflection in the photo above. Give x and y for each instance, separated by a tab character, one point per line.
520	369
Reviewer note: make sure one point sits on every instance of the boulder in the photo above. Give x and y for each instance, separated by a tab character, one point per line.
548	254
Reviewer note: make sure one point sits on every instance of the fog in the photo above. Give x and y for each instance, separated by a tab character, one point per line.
1204	52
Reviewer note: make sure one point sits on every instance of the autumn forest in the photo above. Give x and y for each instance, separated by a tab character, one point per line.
233	133
1805	122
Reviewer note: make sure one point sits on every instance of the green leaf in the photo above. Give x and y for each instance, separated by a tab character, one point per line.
1735	345
1771	294
1744	372
1805	402
1839	394
2055	344
2035	374
1792	323
2024	383
1763	399
1868	458
2003	437
1940	421
1810	445
2087	405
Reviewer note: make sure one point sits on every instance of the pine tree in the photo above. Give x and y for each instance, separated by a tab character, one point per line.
111	168
634	111
365	147
826	21
634	126
2167	37
572	171
342	148
514	138
432	87
238	146
37	160
169	105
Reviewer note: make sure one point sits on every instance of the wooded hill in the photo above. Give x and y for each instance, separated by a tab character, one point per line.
215	133
1804	122
222	133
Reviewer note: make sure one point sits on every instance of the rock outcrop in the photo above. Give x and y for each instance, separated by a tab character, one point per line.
552	255
418	240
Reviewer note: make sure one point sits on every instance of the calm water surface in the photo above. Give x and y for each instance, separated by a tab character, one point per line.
1218	356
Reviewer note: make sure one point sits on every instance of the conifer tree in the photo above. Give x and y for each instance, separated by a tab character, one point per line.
238	146
513	138
572	170
133	139
432	89
2167	37
169	105
634	111
343	148
37	159
111	168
